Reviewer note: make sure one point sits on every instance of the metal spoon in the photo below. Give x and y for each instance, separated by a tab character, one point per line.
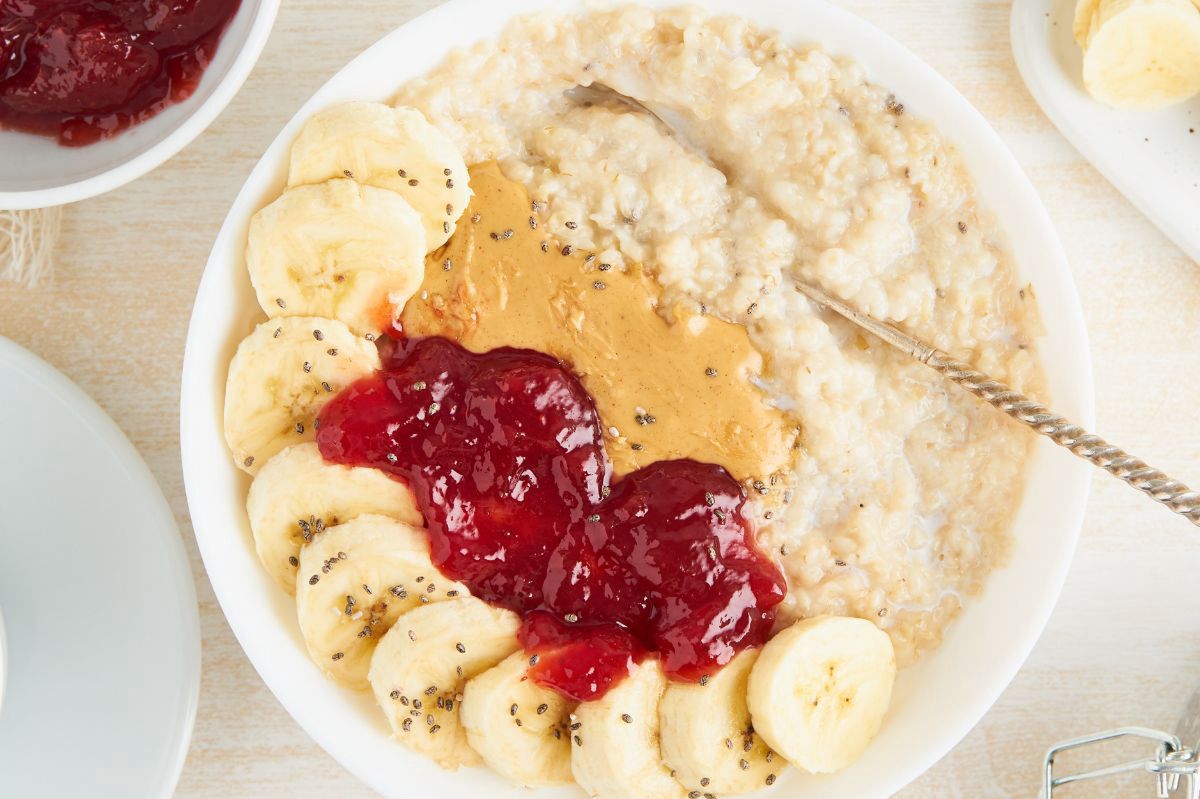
1114	460
1095	450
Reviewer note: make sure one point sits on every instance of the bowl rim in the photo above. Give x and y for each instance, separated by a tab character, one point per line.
170	144
200	417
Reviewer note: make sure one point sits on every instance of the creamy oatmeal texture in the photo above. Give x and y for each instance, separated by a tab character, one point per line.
790	165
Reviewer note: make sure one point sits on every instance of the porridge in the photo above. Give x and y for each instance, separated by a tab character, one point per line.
553	455
789	165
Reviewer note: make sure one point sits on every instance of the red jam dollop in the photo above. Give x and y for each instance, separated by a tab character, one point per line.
504	452
84	70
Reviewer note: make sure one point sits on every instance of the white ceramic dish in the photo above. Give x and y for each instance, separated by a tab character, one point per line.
1152	157
936	702
3	661
35	172
103	632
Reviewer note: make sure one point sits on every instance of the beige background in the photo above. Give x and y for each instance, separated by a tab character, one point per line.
1124	644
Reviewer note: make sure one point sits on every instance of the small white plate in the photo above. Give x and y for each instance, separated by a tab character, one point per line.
1152	157
3	661
103	632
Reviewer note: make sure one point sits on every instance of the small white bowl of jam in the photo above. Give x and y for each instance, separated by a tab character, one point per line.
96	94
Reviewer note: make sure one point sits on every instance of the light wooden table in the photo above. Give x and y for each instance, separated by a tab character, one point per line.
1124	644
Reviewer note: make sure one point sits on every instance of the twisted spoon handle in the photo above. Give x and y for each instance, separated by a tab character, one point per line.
1114	460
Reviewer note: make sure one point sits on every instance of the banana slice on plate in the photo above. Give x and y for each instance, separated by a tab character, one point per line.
615	741
519	728
281	376
421	665
297	494
337	249
392	148
819	690
1142	53
355	580
707	737
1085	11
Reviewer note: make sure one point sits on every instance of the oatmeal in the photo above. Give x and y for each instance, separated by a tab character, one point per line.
785	163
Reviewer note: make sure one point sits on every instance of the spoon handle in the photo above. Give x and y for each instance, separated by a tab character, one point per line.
1114	460
1092	448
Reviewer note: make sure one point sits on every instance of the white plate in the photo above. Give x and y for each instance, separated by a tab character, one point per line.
936	702
3	660
103	633
1152	157
35	172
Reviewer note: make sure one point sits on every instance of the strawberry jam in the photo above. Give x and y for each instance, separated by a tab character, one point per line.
504	452
84	70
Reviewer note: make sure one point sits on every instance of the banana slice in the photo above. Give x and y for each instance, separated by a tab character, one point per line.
819	690
298	493
1143	53
615	752
281	376
1085	12
707	737
421	665
355	580
520	729
337	249
392	148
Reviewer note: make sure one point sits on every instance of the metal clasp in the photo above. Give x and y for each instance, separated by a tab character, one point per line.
1171	762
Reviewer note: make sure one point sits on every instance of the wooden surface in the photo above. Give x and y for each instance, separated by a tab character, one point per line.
1124	644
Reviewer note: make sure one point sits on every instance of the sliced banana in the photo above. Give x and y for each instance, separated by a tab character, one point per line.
337	249
421	665
355	580
819	690
297	494
519	728
281	376
1085	11
707	737
615	741
1143	53
392	148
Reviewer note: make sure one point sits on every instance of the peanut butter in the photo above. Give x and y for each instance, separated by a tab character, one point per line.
668	382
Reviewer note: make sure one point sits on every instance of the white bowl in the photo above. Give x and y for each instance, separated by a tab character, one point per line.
37	172
936	701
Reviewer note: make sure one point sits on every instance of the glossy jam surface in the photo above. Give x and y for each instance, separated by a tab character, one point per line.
83	70
505	454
